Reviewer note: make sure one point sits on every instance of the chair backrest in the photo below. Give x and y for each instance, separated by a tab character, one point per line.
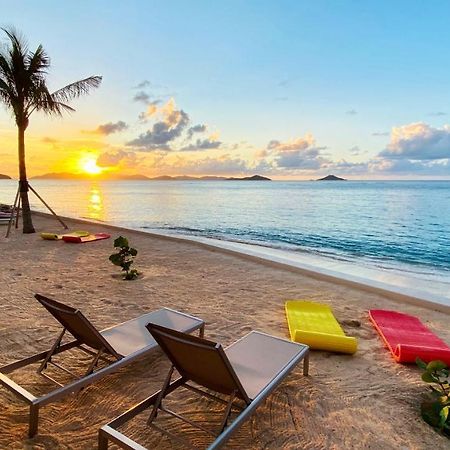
76	324
199	360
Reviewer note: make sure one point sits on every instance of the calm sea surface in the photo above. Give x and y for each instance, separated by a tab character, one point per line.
401	226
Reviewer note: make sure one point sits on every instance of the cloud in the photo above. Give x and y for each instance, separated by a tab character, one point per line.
355	150
118	158
201	144
152	109
347	167
418	141
351	112
196	129
142	96
286	82
110	128
300	153
281	99
407	167
142	84
437	114
174	122
296	144
221	165
380	133
306	159
49	140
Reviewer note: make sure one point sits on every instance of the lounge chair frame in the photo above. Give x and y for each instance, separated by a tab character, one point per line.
115	361
109	432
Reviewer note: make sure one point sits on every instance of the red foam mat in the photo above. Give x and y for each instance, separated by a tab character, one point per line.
408	338
83	239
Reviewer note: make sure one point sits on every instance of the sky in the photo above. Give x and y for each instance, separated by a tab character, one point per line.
287	89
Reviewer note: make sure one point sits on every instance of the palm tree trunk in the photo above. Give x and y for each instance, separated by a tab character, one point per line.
23	183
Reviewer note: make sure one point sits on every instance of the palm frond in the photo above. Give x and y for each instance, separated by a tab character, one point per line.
6	94
59	108
23	85
37	62
5	69
76	89
17	39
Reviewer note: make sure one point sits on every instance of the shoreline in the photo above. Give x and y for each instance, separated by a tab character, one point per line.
256	253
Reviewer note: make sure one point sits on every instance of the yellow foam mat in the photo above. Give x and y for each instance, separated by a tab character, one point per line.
314	324
55	237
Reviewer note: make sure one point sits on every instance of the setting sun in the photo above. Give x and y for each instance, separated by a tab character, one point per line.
89	165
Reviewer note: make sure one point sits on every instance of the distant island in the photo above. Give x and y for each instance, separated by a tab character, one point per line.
252	178
331	178
137	177
5	177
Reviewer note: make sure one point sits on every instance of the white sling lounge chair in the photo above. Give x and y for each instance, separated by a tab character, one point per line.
246	371
117	346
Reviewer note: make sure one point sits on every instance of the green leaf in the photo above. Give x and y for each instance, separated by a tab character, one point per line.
132	274
428	377
421	364
125	257
116	259
443	415
121	242
436	365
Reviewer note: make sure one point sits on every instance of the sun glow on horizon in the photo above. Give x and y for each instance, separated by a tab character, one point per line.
89	165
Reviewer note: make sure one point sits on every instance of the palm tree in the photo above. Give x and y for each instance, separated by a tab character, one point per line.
23	90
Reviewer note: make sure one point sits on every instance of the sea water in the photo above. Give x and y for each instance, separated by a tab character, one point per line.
397	231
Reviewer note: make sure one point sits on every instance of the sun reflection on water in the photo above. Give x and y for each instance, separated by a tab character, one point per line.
95	203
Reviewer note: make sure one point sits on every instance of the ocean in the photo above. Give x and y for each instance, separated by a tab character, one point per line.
391	231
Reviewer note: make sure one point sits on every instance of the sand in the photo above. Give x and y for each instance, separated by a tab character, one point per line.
365	401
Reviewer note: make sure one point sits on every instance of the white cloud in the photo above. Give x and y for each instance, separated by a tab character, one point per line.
172	124
418	141
300	153
220	165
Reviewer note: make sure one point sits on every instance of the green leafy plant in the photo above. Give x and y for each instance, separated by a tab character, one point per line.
436	410
124	257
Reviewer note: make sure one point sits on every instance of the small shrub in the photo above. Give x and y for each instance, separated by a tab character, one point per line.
436	410
124	257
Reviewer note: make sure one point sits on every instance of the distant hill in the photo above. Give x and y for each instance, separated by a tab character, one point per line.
5	177
82	176
210	178
118	177
252	178
331	178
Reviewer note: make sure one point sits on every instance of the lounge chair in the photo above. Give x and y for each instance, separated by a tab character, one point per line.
247	371
116	346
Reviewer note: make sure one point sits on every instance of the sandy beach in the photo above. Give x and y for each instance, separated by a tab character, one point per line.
365	401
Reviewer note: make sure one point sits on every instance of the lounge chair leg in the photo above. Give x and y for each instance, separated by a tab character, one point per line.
159	400
201	332
93	363
227	412
102	441
306	364
51	351
34	420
